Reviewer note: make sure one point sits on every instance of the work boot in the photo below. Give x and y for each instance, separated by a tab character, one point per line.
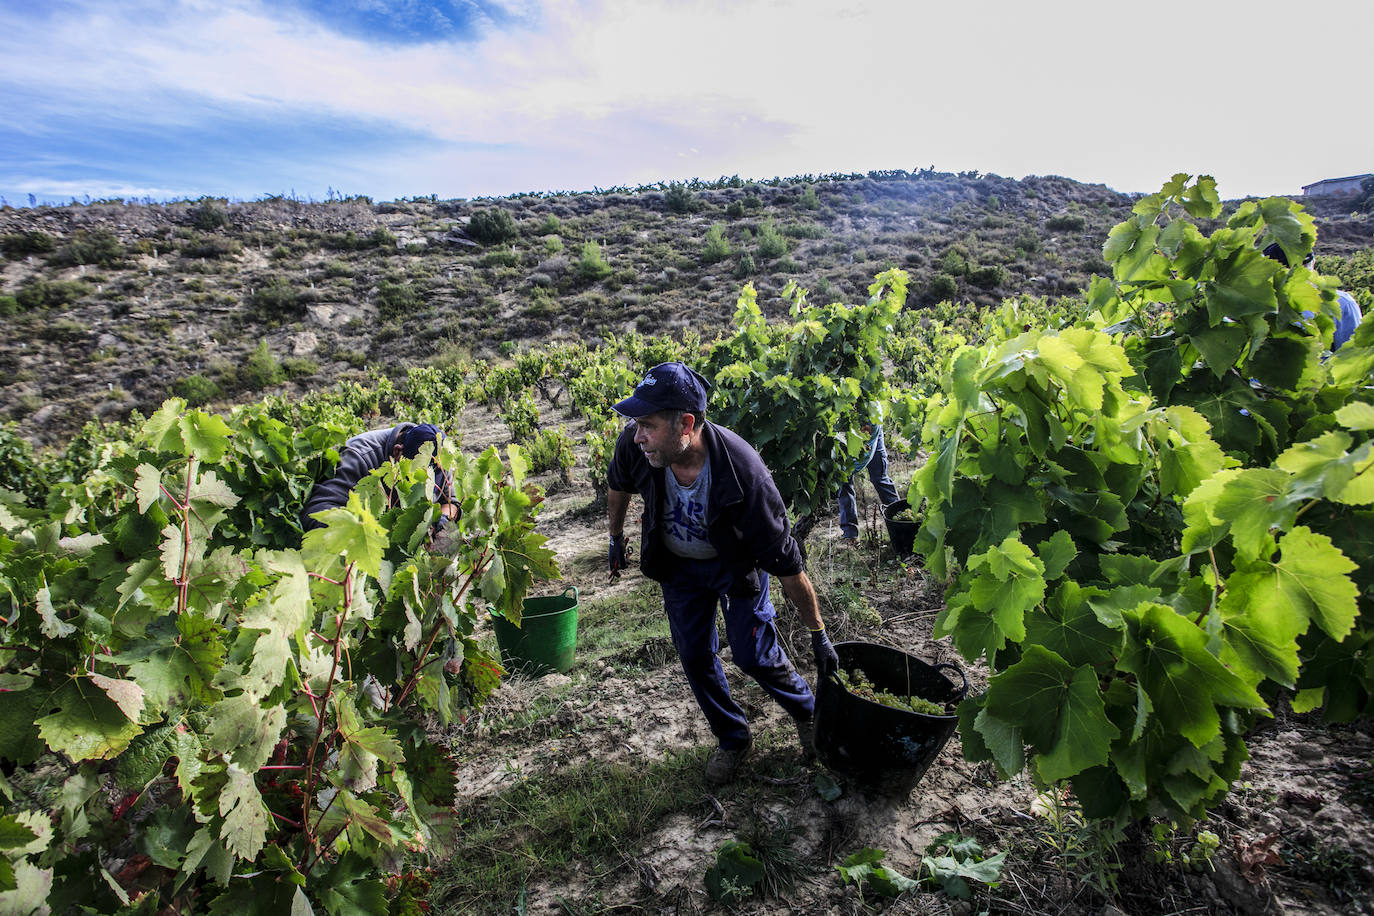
806	735
725	763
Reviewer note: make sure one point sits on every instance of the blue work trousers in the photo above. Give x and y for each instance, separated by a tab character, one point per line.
877	475
690	597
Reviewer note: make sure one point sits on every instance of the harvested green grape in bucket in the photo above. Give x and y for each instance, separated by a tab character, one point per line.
857	683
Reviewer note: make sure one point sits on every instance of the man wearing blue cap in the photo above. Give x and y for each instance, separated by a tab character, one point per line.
366	452
714	529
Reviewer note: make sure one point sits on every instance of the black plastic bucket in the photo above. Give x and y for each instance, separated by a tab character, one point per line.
901	533
882	749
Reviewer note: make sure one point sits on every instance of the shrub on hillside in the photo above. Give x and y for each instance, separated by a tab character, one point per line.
276	300
261	369
771	243
344	241
808	199
23	244
503	257
46	294
942	287
803	231
396	300
299	367
1027	242
715	247
65	331
1066	222
954	263
591	266
492	226
989	276
744	265
680	198
210	247
197	389
99	247
209	214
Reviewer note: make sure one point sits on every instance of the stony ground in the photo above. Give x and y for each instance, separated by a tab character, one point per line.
1295	834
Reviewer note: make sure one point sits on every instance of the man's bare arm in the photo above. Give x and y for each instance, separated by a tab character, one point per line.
801	593
617	506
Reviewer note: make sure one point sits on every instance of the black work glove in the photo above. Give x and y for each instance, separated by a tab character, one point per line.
827	662
618	557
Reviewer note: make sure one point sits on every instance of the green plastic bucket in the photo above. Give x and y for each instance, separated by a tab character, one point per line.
546	637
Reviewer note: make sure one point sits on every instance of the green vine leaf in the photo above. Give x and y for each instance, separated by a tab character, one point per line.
1058	709
147	487
1004	742
349	531
206	436
1071	626
178	662
85	724
1255	502
1009	582
245	816
127	695
1358	415
345	889
1184	681
52	626
244	731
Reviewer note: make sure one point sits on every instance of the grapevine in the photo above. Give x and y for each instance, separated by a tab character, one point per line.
1147	512
260	696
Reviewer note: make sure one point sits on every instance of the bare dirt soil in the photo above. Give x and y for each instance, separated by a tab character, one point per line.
1295	832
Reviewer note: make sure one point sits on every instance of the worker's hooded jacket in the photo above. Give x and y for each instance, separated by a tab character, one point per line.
361	455
746	521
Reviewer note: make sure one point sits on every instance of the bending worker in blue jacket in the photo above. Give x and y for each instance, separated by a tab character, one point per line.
366	452
714	529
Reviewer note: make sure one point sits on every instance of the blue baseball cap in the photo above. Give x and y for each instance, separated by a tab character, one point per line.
668	386
417	436
411	442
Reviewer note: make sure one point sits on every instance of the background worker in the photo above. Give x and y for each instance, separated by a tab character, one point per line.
1348	314
874	459
366	452
714	529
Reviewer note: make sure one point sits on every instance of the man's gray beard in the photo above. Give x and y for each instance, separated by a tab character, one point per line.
660	462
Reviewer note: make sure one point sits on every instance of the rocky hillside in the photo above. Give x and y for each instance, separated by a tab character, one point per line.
110	307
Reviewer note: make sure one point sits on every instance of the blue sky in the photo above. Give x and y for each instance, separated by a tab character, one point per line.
398	98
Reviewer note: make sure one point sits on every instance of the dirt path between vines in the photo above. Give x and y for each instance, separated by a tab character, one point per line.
1295	833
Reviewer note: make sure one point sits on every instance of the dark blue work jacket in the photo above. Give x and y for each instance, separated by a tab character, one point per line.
746	520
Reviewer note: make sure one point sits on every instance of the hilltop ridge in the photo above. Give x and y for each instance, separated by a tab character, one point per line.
113	306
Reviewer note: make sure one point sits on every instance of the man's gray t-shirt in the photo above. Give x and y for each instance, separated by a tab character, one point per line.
684	515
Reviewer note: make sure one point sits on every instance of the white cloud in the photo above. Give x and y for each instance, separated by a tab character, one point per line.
57	191
632	90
